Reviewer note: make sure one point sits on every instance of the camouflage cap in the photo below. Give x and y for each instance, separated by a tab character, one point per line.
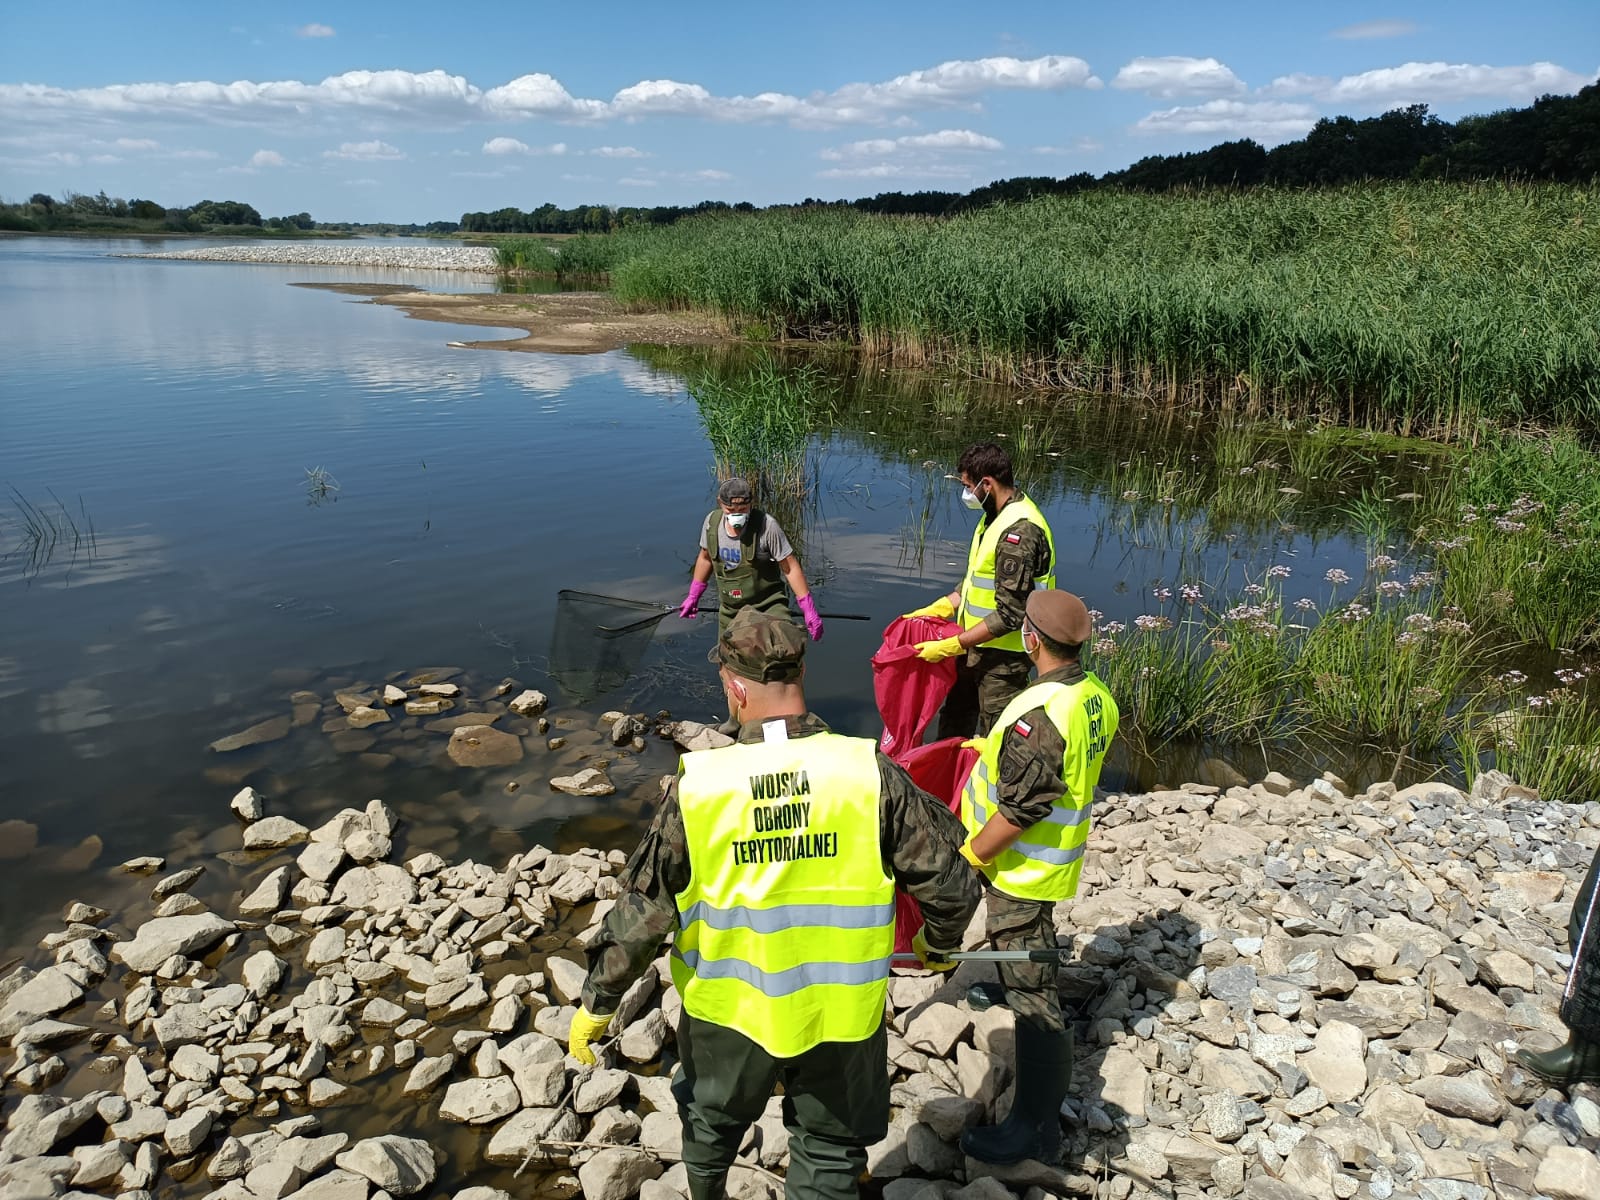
763	647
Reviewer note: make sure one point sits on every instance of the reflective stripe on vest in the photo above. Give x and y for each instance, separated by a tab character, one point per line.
1045	861
977	590
786	927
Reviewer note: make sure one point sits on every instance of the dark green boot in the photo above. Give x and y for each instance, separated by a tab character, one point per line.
1578	1061
1033	1127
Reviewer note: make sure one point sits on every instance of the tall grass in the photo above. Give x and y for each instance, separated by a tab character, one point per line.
1419	307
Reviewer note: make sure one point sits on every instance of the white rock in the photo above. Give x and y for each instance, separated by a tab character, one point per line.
1338	1064
321	860
616	1173
187	1132
263	972
384	1014
1568	1173
366	846
335	1185
326	948
382	888
529	704
274	833
159	939
566	978
480	1101
246	805
268	896
400	1166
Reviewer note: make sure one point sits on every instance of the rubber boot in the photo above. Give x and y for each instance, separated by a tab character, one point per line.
1577	1061
1033	1127
986	995
702	1187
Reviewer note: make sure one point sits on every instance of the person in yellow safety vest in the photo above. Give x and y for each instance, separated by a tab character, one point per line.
1012	555
1026	808
774	861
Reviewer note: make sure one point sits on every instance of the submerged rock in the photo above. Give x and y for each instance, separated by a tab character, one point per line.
264	731
589	782
484	746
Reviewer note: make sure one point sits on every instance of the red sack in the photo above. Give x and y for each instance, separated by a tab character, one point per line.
910	691
940	769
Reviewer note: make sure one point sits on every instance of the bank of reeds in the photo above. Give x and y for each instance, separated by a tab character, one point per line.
1419	307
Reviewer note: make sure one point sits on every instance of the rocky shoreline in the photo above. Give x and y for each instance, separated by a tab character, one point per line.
1287	991
331	254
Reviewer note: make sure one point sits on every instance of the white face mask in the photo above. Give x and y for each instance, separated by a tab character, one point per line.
970	498
736	521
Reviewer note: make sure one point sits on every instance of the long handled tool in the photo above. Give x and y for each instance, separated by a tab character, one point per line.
659	611
1037	956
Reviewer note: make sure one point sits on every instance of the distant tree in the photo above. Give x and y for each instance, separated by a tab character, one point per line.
146	210
42	201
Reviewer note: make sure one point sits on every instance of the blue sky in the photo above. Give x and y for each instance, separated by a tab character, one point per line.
417	112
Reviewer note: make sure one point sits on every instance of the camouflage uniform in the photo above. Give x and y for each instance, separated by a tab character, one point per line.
836	1095
988	679
1030	783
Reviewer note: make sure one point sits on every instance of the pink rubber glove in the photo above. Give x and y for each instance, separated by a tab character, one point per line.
691	602
808	610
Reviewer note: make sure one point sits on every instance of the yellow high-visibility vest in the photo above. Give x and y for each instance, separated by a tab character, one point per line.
1045	862
977	590
787	925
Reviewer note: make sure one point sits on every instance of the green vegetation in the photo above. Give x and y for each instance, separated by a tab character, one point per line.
1419	307
48	529
103	214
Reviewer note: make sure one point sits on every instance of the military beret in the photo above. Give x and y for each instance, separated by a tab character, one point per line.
1060	616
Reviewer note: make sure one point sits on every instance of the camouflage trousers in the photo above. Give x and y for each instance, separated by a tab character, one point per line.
1031	989
986	681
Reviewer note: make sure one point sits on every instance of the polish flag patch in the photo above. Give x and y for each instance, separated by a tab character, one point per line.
1023	728
1014	538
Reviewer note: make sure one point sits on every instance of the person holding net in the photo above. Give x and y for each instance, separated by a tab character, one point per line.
752	559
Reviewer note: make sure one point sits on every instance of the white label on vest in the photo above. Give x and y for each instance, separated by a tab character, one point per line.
775	731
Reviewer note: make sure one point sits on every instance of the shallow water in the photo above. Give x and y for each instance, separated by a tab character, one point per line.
175	409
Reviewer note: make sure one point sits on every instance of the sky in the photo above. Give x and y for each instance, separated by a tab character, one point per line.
410	112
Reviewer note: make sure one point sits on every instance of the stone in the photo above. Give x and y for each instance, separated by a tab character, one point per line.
600	1088
1502	968
566	978
480	1101
274	833
529	1130
329	1093
264	731
393	695
428	1074
326	948
246	805
1472	1096
188	1131
321	861
382	1014
269	895
529	704
589	782
335	1185
381	888
1338	1064
273	1180
400	1166
1125	1083
100	1165
1364	951
195	1063
1234	1071
1224	1117
263	972
40	1121
159	939
483	746
1568	1173
177	882
363	716
50	991
368	846
937	1028
1222	846
616	1173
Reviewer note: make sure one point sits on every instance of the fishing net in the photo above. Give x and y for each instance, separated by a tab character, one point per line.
598	642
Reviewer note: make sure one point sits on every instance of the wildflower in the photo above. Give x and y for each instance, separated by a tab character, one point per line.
1451	627
1507	525
1335	576
1353	612
1381	563
1451	544
1421	580
1538	701
1512	679
1407	639
1190	593
1569	675
1150	624
1426	695
1130	494
1253	589
1105	648
1278	572
1392	587
1095	614
1146	672
1221	645
1163	594
1419	623
1247	470
1304	604
1112	628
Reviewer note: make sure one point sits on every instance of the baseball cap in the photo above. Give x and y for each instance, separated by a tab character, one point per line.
734	489
762	647
1060	616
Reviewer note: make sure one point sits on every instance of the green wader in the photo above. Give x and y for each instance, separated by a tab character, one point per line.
835	1105
754	582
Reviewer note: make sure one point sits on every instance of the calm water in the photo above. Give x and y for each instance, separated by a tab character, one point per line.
178	407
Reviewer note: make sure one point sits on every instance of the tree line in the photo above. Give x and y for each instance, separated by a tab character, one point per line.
76	210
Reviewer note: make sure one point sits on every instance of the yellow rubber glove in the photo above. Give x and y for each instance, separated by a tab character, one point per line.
973	744
931	959
971	855
939	650
586	1027
941	608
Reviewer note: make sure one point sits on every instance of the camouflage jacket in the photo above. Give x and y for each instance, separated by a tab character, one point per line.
1030	767
1016	566
921	842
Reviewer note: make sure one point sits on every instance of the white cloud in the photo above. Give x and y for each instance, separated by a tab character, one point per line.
441	97
710	175
366	152
618	152
1267	121
1362	30
1433	83
137	144
1082	145
506	145
1175	75
314	30
632	181
945	139
267	158
901	170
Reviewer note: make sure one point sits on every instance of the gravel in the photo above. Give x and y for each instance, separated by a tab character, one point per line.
411	258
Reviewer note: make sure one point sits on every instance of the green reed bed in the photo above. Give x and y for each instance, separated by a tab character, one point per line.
526	256
1418	306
